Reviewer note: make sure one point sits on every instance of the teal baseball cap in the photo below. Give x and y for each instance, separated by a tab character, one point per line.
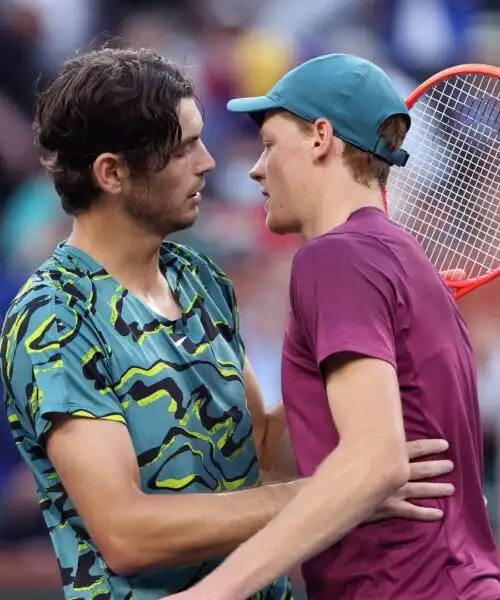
353	94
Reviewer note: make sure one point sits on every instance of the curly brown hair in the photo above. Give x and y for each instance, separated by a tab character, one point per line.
109	100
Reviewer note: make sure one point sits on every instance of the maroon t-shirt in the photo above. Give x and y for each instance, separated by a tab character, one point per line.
367	287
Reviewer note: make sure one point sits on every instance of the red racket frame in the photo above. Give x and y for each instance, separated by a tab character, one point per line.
464	286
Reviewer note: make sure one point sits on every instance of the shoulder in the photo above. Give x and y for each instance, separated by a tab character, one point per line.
50	297
48	326
204	277
183	257
189	257
337	251
351	265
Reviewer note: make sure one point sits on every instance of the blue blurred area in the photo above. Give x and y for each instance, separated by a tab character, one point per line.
228	48
9	457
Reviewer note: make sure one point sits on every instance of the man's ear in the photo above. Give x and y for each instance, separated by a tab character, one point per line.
323	138
110	172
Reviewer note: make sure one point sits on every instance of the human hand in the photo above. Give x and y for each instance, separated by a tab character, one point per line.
454	275
398	506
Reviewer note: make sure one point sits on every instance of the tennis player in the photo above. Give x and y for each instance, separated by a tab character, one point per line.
128	390
375	352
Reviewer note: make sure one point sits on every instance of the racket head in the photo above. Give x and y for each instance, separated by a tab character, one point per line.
448	194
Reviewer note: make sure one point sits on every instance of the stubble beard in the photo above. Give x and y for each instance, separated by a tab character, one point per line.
157	217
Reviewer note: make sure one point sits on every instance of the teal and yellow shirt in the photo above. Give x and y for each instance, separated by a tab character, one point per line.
76	342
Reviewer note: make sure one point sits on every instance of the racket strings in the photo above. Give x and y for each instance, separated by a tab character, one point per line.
448	194
464	188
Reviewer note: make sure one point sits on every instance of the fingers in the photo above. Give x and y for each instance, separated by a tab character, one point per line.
430	469
414	490
406	510
420	448
454	275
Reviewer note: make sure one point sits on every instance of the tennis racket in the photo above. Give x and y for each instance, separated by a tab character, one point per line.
448	194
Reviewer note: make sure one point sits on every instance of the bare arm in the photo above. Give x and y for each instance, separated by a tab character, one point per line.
285	467
272	439
369	464
136	531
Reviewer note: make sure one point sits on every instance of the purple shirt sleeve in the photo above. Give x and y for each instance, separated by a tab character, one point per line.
347	291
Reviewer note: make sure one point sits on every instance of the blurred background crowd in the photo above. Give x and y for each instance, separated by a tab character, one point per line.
229	48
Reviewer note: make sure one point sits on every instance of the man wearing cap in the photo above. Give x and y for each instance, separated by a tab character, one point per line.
129	393
375	352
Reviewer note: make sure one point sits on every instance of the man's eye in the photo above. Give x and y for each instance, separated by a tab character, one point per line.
186	148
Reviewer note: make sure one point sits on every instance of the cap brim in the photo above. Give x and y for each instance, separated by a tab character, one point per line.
255	107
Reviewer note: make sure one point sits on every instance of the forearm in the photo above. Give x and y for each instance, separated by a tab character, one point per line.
159	530
276	457
285	466
344	491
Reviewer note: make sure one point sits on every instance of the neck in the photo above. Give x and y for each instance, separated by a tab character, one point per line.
334	206
127	251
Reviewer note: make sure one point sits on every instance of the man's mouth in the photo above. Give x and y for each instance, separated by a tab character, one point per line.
197	191
267	197
195	199
196	195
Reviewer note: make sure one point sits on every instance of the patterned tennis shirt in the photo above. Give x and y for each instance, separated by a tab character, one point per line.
76	342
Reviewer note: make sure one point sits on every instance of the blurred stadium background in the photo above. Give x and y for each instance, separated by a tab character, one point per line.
229	48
